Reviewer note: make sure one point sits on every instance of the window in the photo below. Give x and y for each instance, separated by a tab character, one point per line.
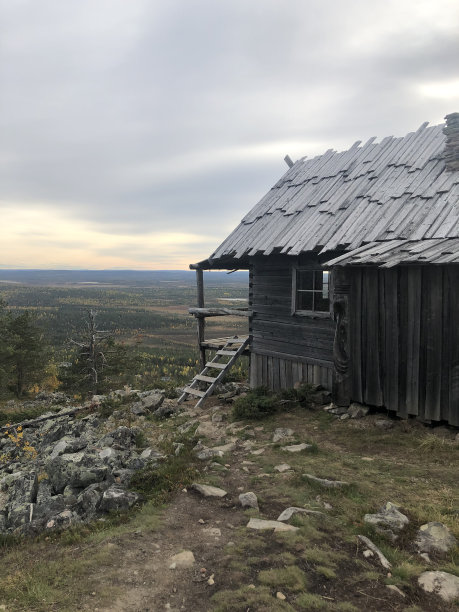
311	291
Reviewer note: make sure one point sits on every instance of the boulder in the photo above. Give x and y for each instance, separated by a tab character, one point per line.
115	498
153	400
388	521
441	583
434	538
248	500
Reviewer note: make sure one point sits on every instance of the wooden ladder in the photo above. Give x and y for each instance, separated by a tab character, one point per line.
231	350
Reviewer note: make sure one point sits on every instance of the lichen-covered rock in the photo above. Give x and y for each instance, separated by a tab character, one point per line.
115	498
434	538
388	521
442	584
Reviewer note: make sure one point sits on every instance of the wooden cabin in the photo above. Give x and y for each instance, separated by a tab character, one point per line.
353	262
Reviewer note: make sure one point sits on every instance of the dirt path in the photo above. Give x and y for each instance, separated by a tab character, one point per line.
229	557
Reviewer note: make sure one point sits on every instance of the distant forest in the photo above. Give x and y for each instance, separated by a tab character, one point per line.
145	313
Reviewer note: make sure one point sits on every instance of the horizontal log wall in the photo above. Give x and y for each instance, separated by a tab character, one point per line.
404	340
285	348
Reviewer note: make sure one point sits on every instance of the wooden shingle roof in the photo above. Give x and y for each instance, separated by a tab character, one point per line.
397	189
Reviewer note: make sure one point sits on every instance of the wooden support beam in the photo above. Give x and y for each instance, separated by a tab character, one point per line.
201	321
218	312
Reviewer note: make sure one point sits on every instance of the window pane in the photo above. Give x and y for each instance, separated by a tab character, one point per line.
304	300
304	279
318	280
321	304
325	278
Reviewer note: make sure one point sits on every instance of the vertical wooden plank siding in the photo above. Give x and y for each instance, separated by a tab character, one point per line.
371	352
453	330
355	324
405	340
290	348
414	301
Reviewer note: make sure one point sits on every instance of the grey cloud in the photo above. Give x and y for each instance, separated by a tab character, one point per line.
96	92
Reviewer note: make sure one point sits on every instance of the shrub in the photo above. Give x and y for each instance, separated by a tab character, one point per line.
257	404
260	403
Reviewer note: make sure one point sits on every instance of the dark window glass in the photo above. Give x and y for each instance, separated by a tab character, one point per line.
312	291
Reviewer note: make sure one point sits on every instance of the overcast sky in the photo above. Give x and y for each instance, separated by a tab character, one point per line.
137	133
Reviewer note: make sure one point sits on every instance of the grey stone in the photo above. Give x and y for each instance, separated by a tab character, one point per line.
208	453
384	424
182	560
434	538
281	433
115	498
153	400
263	525
296	448
441	583
389	520
61	520
248	500
289	512
208	491
282	467
357	411
328	484
369	544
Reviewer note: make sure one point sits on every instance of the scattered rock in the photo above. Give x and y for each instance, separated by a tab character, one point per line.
368	553
388	521
395	589
357	411
441	583
280	596
213	532
296	448
263	525
115	498
434	538
382	559
211	580
259	451
329	484
208	490
248	500
182	560
208	453
282	467
289	512
384	424
281	433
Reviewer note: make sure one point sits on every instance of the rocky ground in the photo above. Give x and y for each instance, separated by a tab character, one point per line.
304	511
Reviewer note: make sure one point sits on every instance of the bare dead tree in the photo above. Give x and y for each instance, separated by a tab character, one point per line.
92	351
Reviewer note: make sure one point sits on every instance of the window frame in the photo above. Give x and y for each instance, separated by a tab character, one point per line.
318	314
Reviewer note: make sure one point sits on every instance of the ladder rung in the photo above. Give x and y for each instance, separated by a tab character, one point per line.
192	391
235	341
219	366
209	379
226	353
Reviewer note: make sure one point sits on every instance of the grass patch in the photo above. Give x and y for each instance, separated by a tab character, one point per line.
247	598
291	578
312	602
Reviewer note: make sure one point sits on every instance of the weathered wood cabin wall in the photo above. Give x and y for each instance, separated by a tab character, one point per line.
404	340
285	348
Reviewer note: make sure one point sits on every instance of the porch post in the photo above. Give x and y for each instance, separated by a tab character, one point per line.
200	319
